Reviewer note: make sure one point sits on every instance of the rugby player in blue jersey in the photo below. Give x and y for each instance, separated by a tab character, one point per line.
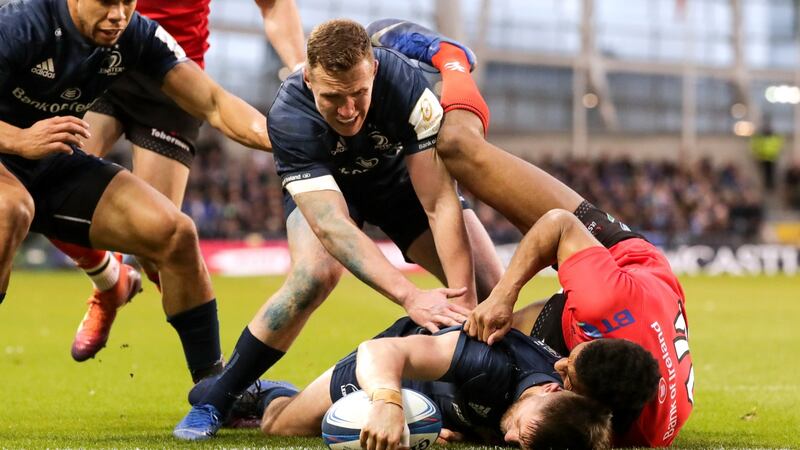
353	137
163	138
56	58
509	392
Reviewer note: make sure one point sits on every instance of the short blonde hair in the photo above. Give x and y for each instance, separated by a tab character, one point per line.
338	45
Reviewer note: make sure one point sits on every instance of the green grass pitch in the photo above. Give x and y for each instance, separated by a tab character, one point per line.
744	339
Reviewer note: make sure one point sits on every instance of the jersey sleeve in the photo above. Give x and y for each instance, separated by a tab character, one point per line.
160	52
299	145
410	96
600	295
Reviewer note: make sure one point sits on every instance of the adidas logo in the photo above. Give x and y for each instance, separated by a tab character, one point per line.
45	69
456	66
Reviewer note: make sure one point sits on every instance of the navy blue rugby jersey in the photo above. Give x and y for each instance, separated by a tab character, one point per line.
481	383
47	68
403	118
487	379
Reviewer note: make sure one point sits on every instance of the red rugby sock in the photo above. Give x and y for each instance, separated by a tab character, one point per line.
85	258
100	265
459	90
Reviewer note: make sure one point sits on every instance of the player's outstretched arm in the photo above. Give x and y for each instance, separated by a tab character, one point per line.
552	239
45	137
194	91
284	30
437	194
381	364
326	213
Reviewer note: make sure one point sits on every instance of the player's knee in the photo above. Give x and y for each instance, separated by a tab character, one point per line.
559	217
455	138
184	237
176	237
17	209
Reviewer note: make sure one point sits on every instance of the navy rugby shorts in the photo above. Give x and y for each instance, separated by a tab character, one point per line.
65	190
399	214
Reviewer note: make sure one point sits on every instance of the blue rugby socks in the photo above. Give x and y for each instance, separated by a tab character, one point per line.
249	360
198	329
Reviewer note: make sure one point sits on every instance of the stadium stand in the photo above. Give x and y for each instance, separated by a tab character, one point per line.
233	196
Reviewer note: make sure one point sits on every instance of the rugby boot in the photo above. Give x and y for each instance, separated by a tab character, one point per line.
248	408
95	327
412	40
202	422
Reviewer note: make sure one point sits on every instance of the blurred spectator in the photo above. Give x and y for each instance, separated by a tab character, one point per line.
239	196
766	147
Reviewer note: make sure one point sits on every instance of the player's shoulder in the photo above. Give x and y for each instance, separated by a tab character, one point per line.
518	341
393	59
395	69
26	21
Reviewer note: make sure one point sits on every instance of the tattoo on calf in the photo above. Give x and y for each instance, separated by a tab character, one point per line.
278	314
300	292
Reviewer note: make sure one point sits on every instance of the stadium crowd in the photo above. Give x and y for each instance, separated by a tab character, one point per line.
236	196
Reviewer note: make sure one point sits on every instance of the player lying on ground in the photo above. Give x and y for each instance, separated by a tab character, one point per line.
616	284
353	137
487	394
163	137
56	57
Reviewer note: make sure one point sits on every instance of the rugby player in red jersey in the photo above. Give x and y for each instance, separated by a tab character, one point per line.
163	137
616	284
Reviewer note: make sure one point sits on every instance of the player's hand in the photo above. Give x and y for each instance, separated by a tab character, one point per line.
384	427
447	436
490	320
432	309
53	135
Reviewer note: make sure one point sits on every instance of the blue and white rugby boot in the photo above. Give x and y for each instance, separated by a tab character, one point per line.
202	422
255	399
247	410
412	40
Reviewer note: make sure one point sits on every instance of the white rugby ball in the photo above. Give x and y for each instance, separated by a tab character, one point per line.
342	424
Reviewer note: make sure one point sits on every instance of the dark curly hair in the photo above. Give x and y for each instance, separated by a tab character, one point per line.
619	374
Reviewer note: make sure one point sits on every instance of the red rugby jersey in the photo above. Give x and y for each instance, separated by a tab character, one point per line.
629	291
185	20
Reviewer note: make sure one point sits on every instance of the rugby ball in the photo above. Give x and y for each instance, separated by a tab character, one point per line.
342	424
